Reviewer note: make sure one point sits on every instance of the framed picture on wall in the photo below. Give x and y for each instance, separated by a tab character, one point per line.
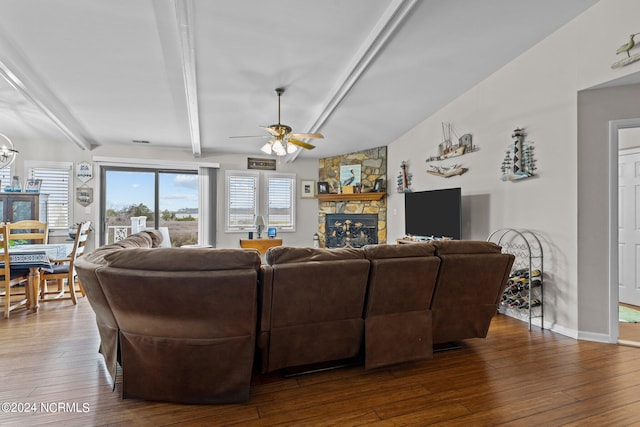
323	187
307	188
33	186
377	185
350	175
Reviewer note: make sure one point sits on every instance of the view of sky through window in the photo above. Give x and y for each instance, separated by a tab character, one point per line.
126	188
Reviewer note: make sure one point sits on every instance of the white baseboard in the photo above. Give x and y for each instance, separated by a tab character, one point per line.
593	336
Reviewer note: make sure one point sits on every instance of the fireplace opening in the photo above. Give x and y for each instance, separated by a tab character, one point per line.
351	230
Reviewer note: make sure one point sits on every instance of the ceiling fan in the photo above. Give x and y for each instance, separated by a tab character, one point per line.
282	141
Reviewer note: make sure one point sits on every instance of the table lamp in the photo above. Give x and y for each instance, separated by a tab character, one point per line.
259	224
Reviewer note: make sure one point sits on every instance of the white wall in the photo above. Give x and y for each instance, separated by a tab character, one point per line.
537	91
63	150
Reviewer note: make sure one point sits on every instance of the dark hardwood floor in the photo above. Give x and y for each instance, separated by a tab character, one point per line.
514	377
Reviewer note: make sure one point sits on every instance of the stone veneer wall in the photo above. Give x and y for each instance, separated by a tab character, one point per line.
373	166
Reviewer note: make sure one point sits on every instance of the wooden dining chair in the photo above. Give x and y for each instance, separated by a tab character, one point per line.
29	231
9	277
63	270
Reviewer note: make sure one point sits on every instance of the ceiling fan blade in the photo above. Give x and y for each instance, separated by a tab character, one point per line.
307	135
300	144
251	136
270	130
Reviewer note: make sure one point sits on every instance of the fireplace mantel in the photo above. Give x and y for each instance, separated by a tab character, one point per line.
354	196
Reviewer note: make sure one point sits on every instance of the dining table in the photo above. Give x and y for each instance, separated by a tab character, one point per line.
36	257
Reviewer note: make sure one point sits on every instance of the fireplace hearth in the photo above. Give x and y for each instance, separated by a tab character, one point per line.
351	230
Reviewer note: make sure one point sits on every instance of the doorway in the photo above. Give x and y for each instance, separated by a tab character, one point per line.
628	230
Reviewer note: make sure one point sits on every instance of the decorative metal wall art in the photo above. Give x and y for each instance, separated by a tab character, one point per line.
404	179
625	48
518	163
449	148
447	171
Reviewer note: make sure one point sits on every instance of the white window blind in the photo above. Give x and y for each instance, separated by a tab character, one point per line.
56	179
281	202
242	197
5	178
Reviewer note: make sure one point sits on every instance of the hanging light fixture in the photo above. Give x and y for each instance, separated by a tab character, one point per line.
7	152
266	148
279	146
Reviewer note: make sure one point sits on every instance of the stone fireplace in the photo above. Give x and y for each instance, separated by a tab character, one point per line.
351	230
366	213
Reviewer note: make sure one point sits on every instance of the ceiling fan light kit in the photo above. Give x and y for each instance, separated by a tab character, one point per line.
284	142
7	152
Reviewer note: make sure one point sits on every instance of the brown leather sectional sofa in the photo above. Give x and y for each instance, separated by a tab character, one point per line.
185	324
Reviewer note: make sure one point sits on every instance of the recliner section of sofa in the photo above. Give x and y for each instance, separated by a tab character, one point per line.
186	320
471	279
397	314
311	306
86	267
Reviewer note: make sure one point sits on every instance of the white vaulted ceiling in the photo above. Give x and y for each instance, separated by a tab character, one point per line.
188	74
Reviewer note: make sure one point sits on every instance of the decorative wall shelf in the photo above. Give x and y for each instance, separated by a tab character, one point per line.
350	197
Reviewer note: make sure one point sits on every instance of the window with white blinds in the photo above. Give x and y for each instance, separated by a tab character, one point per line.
5	178
281	202
56	182
242	197
268	194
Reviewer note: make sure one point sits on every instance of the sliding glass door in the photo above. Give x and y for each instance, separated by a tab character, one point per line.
135	198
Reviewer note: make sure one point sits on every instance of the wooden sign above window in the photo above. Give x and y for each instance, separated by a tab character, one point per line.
262	164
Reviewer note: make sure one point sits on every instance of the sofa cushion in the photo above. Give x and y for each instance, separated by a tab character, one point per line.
177	259
143	239
465	247
399	251
156	237
285	254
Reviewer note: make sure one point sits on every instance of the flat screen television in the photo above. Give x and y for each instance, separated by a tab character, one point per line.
434	213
